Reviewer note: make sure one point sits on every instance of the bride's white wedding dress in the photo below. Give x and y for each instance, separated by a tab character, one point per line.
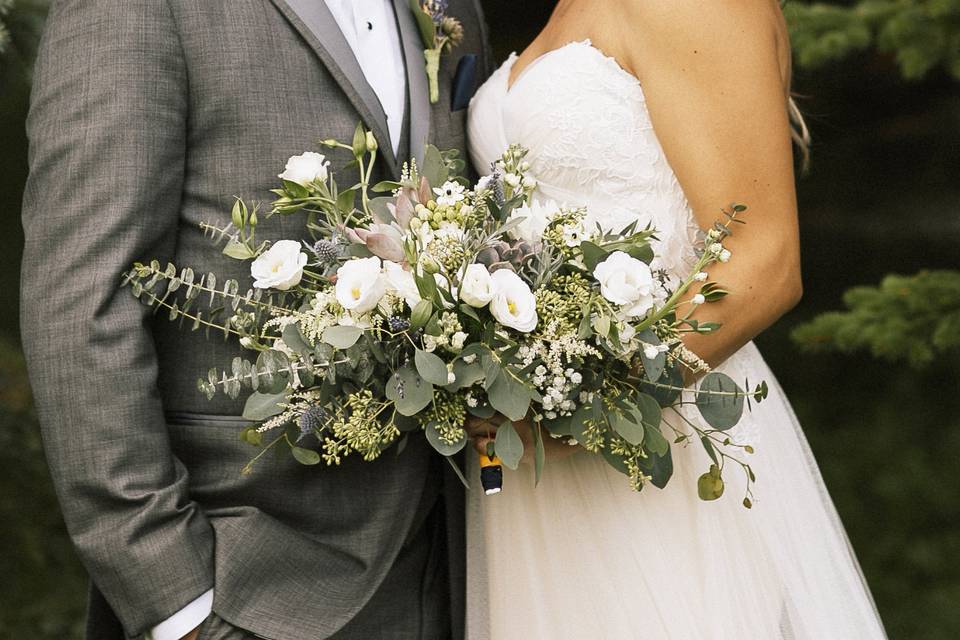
582	556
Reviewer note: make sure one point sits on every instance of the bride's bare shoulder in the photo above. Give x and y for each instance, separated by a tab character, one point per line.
696	32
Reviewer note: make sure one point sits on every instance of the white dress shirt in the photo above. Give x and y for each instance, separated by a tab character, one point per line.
370	27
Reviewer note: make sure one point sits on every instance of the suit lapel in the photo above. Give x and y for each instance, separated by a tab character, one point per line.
313	20
416	79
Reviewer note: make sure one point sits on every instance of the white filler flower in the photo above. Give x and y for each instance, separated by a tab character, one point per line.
626	281
513	305
476	288
401	282
536	216
280	266
306	168
360	284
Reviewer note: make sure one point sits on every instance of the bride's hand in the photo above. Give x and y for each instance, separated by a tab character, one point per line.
482	431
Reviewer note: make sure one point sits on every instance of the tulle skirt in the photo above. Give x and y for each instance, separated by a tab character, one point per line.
583	556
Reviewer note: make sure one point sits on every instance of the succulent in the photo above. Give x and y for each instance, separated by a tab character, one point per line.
506	255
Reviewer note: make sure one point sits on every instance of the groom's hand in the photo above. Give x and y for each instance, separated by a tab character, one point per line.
484	430
193	635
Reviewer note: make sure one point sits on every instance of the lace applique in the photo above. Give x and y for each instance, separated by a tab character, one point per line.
591	141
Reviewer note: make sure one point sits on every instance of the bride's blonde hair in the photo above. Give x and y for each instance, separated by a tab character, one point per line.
799	133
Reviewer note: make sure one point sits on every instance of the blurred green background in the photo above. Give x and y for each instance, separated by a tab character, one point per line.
879	87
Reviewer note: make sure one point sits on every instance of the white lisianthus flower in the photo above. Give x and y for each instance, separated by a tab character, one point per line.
360	284
700	276
401	282
513	304
626	281
279	267
698	299
449	194
476	287
536	216
724	256
306	168
512	179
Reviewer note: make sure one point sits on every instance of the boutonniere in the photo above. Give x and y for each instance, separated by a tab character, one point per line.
440	33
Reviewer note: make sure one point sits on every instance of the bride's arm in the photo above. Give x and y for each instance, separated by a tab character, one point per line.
715	75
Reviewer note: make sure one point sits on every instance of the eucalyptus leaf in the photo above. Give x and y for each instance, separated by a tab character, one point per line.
444	449
295	340
652	367
482	411
409	391
260	406
667	388
720	411
592	255
431	367
341	337
508	445
305	456
627	427
238	250
434	169
465	375
540	455
509	397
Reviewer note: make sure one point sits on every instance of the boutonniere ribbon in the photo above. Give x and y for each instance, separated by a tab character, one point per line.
440	34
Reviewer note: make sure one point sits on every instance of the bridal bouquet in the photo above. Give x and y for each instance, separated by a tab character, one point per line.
409	311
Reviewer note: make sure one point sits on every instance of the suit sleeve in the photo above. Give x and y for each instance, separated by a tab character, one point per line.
107	130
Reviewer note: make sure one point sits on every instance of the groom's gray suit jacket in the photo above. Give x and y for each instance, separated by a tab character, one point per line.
148	117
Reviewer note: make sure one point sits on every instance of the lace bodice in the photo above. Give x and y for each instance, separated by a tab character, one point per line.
585	121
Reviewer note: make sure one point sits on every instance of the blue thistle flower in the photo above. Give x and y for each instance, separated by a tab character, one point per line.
398	324
311	420
326	251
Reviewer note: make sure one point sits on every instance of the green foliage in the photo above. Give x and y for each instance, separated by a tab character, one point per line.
44	585
921	34
5	6
20	24
905	318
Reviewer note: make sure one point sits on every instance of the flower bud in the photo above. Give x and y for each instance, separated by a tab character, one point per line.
371	141
429	265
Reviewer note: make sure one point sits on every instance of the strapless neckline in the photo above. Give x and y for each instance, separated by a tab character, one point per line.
586	43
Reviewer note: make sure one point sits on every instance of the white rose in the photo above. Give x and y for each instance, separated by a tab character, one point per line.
536	216
401	282
627	282
280	266
306	168
513	304
476	288
360	284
